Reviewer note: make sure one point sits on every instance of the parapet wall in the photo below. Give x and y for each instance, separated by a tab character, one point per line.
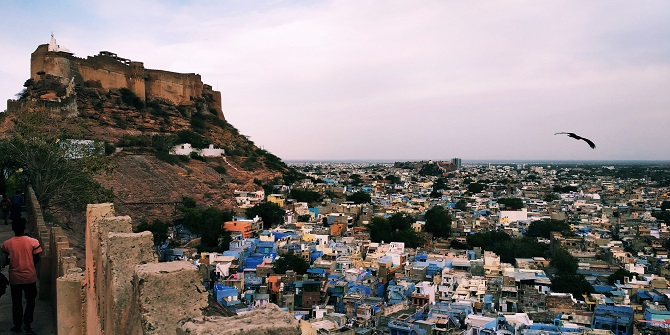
122	290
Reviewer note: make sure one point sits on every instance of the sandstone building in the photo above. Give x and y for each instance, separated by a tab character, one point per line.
114	72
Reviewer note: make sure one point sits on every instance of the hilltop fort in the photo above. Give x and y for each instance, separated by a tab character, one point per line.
114	72
140	115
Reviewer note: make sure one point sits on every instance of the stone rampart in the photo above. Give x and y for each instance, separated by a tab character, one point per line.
66	106
177	88
125	291
56	63
121	290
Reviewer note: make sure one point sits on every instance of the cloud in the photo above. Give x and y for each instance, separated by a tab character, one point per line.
434	79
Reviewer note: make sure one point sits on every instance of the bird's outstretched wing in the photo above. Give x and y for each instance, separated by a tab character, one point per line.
591	144
577	137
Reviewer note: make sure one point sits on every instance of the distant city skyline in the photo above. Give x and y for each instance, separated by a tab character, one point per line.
366	81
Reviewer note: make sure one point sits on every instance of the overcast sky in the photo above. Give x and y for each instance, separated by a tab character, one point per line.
391	80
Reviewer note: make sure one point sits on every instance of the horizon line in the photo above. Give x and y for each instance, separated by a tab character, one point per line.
465	160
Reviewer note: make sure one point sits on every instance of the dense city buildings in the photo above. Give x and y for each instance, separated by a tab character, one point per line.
435	248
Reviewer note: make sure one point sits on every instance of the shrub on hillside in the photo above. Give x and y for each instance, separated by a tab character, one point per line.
130	98
220	169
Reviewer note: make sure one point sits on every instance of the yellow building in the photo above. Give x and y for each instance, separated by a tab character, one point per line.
278	199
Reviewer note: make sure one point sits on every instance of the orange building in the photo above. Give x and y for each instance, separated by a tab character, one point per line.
274	285
337	229
243	227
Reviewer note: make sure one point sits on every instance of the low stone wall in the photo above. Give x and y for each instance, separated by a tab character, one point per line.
121	290
124	291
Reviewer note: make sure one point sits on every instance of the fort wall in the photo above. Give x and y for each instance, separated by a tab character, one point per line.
177	88
55	63
66	106
216	97
114	72
122	289
108	78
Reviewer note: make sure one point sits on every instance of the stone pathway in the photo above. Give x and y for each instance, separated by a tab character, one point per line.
44	323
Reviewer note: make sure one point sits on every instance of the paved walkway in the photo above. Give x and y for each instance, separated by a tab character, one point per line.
44	323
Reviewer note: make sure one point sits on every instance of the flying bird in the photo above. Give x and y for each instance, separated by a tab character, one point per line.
577	137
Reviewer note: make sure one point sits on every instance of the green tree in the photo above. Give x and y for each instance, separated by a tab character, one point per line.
438	221
515	248
208	223
188	202
511	203
214	237
359	197
355	180
291	175
484	239
571	283
476	187
407	236
487	239
401	221
196	140
544	228
269	212
380	229
53	166
290	261
661	215
440	184
455	244
565	189
506	247
304	218
393	179
462	205
564	262
158	228
305	195
549	197
619	275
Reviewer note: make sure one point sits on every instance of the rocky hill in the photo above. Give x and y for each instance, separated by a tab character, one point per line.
138	132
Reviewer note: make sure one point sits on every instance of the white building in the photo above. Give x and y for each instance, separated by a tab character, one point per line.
183	149
54	47
246	199
210	151
186	149
513	216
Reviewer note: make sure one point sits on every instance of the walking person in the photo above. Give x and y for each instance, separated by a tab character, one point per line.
24	254
6	205
17	204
